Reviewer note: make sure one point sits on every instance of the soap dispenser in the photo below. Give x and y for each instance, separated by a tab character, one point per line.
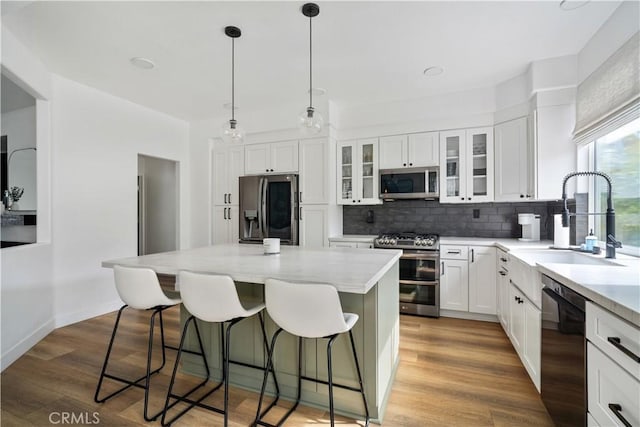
590	241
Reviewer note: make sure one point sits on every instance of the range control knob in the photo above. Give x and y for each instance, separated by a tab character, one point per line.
392	241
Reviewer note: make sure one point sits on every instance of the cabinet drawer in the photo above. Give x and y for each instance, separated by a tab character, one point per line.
453	252
343	244
615	337
613	394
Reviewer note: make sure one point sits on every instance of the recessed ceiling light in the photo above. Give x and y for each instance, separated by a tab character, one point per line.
144	63
572	4
318	91
227	106
433	71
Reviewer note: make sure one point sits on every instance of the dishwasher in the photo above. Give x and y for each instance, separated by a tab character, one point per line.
563	363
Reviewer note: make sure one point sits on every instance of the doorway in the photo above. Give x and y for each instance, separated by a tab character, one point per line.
158	201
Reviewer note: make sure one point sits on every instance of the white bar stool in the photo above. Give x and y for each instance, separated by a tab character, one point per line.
308	311
212	298
140	289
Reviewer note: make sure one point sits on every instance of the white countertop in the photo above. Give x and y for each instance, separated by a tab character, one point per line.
616	289
349	270
506	244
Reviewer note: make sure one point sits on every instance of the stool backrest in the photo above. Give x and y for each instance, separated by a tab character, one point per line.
140	288
212	298
310	310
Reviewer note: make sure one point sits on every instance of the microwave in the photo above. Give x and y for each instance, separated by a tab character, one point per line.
409	183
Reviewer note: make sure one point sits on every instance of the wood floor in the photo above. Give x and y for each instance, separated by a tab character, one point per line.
452	373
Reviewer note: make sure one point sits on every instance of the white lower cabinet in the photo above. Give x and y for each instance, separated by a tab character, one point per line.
468	279
225	224
454	285
524	331
613	394
482	279
613	370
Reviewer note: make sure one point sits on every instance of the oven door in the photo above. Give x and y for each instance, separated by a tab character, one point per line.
419	287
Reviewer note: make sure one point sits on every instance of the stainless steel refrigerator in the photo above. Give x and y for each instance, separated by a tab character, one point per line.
269	207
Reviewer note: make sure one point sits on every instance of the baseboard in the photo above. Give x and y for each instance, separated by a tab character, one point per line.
25	344
88	313
469	316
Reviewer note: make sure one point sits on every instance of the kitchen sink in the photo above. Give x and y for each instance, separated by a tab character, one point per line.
562	257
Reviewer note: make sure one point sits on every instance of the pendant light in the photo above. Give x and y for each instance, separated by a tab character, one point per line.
231	132
310	121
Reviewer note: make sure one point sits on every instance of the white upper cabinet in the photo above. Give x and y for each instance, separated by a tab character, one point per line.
358	172
512	161
275	157
314	170
228	166
423	149
466	166
404	151
393	152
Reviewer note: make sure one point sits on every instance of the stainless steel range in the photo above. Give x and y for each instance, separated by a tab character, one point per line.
419	271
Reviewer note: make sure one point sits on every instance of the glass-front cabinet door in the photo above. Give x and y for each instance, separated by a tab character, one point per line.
452	157
358	172
345	171
480	165
466	165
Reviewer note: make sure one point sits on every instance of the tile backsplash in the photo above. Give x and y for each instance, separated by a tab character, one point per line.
493	220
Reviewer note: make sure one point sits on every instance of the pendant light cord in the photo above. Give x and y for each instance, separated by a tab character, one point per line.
233	83
310	66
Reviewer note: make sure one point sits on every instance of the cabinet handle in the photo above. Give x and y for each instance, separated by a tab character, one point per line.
502	273
410	164
472	256
224	213
300	216
468	198
300	197
520	301
442	268
454	252
229	213
404	164
616	409
229	198
266	170
616	343
503	259
353	201
522	196
359	201
461	198
271	170
225	198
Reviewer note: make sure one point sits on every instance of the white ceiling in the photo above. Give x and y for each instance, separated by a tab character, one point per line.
13	97
363	51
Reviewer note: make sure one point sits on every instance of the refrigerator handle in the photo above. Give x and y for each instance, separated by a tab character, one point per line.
263	206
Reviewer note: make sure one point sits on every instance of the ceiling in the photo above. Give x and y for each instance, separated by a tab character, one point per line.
362	51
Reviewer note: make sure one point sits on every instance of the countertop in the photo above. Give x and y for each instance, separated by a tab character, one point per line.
615	288
349	270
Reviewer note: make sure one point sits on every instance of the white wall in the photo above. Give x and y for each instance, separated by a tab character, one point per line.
20	128
26	290
97	138
621	25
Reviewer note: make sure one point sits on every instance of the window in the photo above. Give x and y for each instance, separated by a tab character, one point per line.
618	155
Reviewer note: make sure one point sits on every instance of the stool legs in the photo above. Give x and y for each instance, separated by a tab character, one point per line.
364	397
149	372
225	343
329	382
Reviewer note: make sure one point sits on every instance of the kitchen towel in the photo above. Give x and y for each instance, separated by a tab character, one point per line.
560	233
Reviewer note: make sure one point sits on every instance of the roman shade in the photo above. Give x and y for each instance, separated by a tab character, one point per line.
610	96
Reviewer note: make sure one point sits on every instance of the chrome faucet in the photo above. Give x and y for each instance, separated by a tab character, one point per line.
611	242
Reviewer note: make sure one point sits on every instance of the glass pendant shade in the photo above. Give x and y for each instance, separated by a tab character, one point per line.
231	132
310	121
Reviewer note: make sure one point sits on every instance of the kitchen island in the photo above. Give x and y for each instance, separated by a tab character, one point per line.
367	282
